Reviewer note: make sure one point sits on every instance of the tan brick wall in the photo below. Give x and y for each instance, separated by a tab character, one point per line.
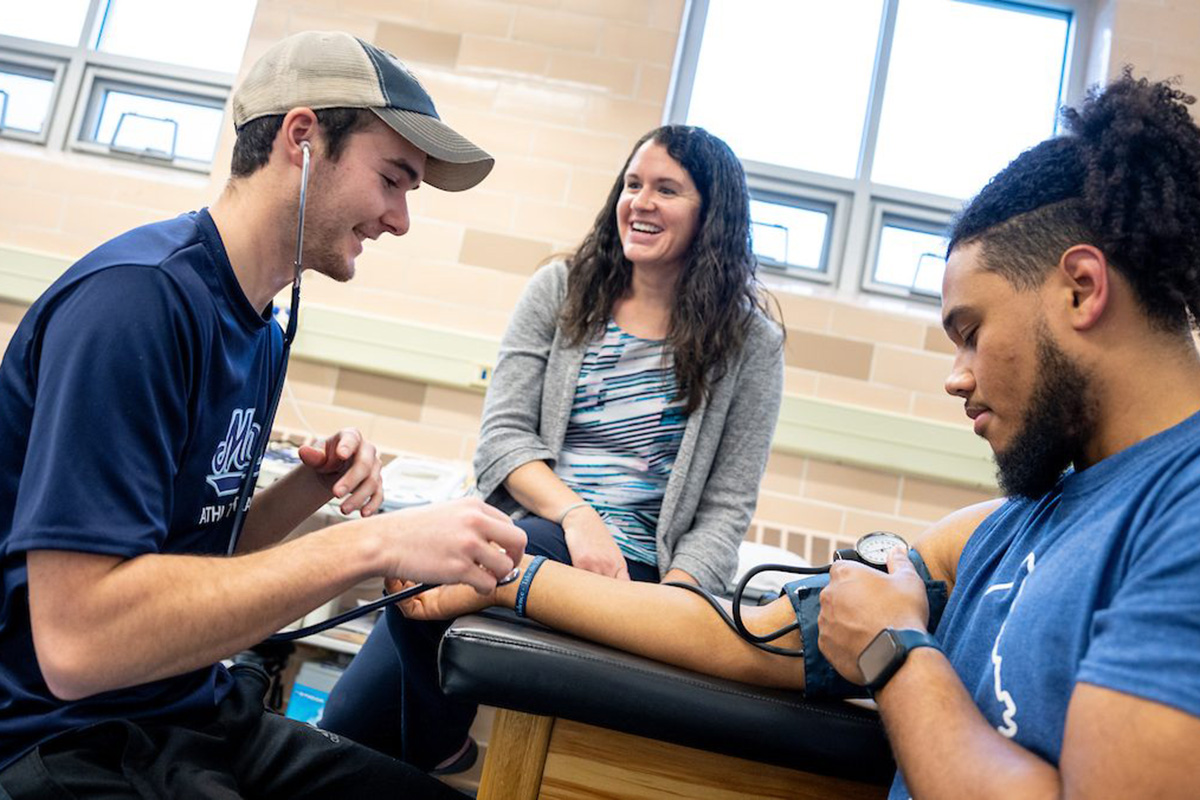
1158	37
557	90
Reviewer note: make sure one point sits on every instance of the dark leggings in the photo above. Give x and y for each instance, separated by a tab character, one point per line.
389	697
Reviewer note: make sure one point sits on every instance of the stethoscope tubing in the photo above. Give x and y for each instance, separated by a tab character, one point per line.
367	608
354	613
264	432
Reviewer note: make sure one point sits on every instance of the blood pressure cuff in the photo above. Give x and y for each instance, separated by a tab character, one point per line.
821	680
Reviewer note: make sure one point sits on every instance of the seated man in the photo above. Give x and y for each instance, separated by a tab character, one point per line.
1067	662
132	397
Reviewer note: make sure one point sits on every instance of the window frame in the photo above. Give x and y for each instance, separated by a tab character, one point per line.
89	104
82	73
832	204
856	225
34	66
884	214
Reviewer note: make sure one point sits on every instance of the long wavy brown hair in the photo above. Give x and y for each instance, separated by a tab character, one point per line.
718	293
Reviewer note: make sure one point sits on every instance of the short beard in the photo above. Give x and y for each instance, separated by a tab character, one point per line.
324	257
321	233
1059	422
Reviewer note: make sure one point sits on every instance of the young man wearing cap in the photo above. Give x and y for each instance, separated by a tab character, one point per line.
131	399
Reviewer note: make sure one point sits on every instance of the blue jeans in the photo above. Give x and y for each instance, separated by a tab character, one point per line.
390	698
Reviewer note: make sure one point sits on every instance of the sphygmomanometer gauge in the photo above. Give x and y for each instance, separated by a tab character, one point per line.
873	548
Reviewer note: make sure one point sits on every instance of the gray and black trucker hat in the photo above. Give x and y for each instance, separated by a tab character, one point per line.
319	69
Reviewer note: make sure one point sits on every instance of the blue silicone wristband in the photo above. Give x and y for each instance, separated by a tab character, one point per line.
526	581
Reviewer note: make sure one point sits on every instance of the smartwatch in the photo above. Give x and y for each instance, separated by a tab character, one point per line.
886	653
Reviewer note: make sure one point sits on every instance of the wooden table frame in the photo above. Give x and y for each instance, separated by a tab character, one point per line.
531	757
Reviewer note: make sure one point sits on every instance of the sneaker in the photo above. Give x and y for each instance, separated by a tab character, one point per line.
461	761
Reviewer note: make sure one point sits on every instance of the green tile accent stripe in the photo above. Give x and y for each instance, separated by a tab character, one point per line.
24	274
820	429
388	346
880	440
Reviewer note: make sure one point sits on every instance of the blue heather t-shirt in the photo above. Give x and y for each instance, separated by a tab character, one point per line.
1096	582
131	396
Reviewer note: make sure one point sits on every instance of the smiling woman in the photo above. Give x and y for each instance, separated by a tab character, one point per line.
627	424
689	274
658	212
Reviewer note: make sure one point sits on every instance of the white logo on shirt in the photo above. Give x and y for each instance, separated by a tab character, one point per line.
1009	728
234	453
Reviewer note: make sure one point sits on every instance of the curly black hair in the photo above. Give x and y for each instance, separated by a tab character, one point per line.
1125	178
718	292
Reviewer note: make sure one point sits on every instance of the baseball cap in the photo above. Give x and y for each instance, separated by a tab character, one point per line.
330	69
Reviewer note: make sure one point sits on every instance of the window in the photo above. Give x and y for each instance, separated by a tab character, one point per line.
864	124
908	255
790	236
27	88
141	79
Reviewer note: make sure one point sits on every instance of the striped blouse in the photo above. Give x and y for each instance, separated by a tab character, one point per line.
623	435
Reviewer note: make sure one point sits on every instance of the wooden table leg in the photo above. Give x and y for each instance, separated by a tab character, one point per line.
516	756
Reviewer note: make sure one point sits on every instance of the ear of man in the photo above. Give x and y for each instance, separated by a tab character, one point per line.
1083	278
299	125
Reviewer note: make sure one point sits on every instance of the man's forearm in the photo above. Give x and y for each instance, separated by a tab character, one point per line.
278	509
110	624
944	746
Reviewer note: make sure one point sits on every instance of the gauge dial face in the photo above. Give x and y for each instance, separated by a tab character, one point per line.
875	546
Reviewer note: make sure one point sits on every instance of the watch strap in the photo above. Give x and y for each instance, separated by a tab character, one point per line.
911	639
906	640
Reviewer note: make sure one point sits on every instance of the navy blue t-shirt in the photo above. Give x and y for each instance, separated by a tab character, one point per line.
1096	582
131	397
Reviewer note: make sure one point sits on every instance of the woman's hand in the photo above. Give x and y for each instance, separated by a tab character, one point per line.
591	546
442	602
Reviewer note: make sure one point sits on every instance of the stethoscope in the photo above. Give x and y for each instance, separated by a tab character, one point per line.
239	519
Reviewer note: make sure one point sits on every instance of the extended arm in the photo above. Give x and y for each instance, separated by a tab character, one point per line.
101	622
667	623
660	622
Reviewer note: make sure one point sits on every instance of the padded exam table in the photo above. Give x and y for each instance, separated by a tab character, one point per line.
580	720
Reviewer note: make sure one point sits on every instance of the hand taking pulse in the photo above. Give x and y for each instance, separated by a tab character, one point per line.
860	601
349	467
590	544
460	541
450	602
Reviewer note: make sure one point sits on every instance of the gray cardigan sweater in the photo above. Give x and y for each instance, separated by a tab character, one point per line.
713	488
